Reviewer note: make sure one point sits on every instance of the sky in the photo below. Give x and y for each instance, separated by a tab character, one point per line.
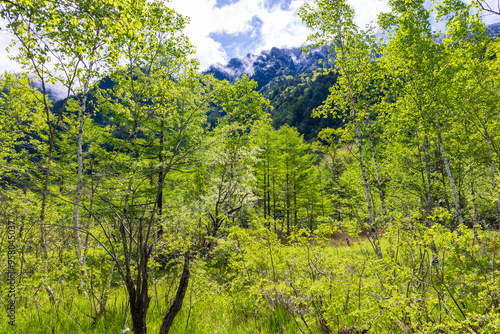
224	29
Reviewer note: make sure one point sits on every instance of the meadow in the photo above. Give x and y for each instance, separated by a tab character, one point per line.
429	281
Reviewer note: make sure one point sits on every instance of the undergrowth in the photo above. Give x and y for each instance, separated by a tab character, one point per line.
430	280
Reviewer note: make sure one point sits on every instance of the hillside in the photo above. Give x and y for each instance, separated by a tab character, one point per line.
272	64
295	97
294	82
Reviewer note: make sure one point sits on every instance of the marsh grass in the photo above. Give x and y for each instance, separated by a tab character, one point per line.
256	283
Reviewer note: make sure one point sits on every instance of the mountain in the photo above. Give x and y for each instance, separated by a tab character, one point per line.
275	63
494	29
295	97
295	83
270	64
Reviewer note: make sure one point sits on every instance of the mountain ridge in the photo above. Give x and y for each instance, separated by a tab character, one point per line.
269	64
272	63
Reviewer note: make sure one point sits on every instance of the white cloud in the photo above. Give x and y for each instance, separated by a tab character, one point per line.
280	28
7	64
367	11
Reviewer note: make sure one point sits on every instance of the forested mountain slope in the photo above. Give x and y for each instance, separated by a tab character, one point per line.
295	97
271	64
494	29
294	81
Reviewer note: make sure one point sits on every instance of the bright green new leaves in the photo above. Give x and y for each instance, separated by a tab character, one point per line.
332	23
355	52
20	121
239	102
435	101
63	41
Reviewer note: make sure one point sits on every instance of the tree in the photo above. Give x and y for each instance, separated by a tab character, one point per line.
335	147
474	87
230	160
160	107
69	43
430	75
265	137
294	167
487	7
19	121
333	23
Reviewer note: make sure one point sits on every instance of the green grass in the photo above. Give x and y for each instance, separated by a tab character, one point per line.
256	284
210	309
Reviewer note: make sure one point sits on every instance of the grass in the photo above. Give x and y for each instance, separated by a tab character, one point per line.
209	309
256	284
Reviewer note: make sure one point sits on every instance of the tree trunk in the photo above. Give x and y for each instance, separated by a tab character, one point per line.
274	199
179	298
376	246
138	289
379	184
228	196
295	218
287	203
79	184
139	304
160	173
492	168
264	190
375	243
322	194
473	191
43	238
430	205
450	175
268	189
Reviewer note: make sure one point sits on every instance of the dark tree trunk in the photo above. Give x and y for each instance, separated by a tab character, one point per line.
139	304
179	298
138	293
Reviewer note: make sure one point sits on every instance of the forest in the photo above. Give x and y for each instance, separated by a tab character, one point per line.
154	198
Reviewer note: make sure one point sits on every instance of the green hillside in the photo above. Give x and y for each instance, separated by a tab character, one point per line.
294	98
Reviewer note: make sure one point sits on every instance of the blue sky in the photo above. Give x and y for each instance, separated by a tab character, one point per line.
235	43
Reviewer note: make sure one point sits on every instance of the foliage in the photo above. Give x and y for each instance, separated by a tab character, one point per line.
187	211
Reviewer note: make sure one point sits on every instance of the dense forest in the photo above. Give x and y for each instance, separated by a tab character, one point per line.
155	198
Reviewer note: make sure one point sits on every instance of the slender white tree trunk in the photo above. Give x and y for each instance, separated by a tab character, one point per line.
375	242
473	191
379	184
450	174
79	184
